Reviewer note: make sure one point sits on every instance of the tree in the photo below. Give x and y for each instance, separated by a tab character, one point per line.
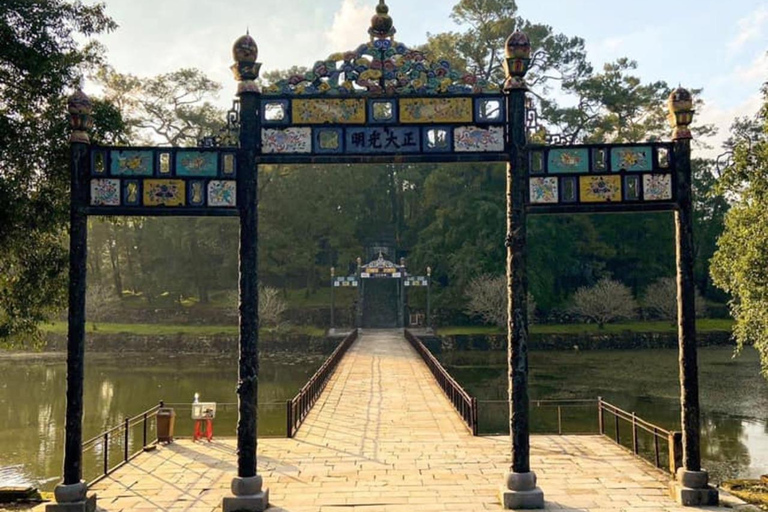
271	306
41	62
605	302
740	265
174	107
487	299
660	300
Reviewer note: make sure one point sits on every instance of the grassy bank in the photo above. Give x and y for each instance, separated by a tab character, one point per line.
702	325
171	330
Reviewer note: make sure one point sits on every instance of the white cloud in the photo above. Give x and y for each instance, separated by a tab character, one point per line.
756	72
714	113
750	28
349	25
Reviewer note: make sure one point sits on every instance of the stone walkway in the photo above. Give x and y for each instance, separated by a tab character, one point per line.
383	438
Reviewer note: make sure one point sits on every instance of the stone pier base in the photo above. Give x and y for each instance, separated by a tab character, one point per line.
692	489
521	493
248	496
72	498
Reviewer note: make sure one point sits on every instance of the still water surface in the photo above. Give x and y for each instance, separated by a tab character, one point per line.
734	399
32	403
734	396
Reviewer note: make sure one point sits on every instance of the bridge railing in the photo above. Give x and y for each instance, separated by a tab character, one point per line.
464	404
112	448
641	437
299	406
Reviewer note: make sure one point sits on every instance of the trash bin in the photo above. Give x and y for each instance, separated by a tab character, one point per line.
166	419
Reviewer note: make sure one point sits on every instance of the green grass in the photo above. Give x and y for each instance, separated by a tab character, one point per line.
702	325
170	330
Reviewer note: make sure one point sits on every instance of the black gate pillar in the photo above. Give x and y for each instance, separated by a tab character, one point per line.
360	294
691	487
520	490
247	487
71	493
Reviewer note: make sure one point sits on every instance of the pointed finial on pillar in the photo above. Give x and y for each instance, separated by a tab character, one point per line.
80	120
681	113
245	52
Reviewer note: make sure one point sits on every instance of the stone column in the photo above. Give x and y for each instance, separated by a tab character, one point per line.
247	487
71	493
691	487
520	490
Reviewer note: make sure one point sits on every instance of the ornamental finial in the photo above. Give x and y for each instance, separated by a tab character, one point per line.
681	113
382	25
245	52
518	60
80	120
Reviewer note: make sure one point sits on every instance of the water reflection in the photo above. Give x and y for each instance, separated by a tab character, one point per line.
734	396
32	403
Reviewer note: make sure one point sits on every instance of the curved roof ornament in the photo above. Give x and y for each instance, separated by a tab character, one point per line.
382	66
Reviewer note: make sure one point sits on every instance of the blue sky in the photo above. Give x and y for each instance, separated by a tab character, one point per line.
720	46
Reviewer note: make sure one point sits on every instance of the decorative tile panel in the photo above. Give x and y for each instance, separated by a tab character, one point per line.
164	193
657	187
132	192
632	159
222	194
544	191
436	110
329	140
632	188
288	140
489	110
437	139
474	139
600	189
196	164
105	192
333	111
574	161
383	140
569	189
132	163
196	193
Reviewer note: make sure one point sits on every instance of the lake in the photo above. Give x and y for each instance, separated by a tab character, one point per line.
733	395
734	399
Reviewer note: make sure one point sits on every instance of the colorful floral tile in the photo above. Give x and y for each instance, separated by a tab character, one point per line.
657	187
632	159
164	193
222	194
571	161
544	191
435	110
600	189
473	139
132	163
105	192
197	164
289	140
335	111
382	111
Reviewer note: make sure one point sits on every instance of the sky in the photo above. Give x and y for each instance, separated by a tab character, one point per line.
718	46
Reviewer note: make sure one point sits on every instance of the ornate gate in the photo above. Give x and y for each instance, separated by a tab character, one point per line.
382	102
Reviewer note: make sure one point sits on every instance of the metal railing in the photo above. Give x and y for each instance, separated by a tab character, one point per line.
464	404
299	406
121	435
548	416
646	437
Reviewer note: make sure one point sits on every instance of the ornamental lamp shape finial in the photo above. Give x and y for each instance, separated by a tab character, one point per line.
382	25
80	107
681	112
518	46
245	50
